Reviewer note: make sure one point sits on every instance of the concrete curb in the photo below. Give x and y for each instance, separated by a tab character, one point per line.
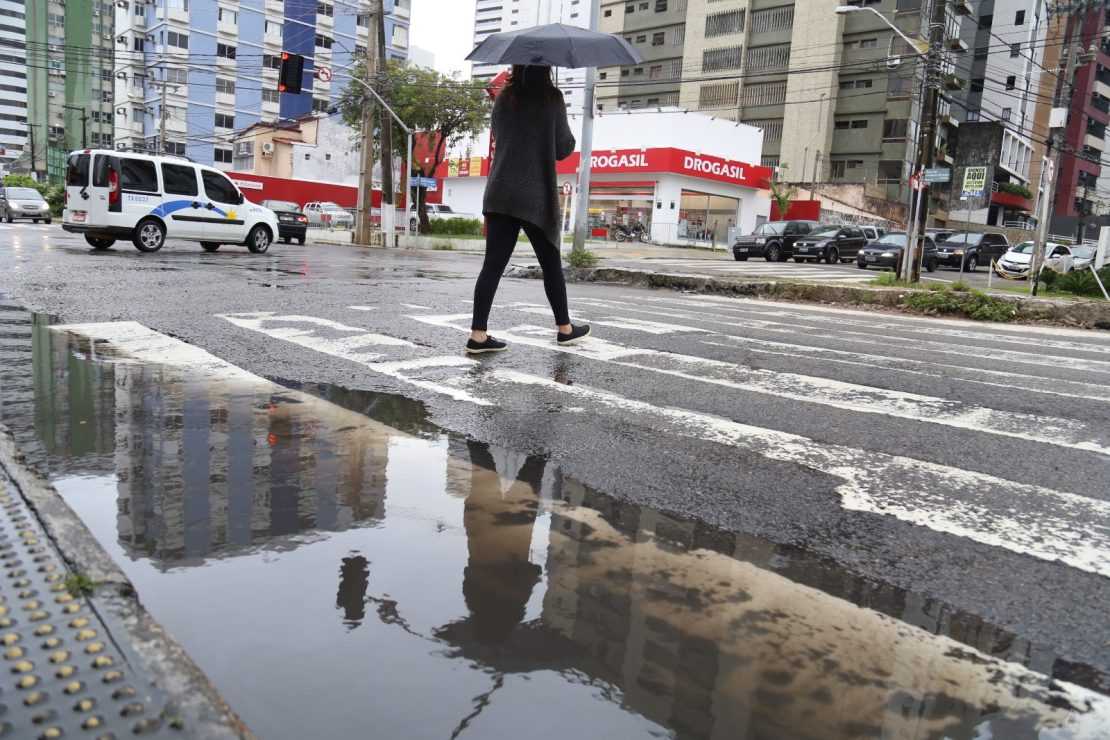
1074	314
205	714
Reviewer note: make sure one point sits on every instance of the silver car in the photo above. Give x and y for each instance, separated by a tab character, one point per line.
328	215
23	203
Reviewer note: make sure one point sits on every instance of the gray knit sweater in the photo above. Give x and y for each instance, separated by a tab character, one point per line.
527	143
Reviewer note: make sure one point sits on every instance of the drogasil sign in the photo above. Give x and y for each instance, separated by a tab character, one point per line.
717	168
618	161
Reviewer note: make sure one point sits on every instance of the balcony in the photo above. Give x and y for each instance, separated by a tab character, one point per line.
948	119
1095	142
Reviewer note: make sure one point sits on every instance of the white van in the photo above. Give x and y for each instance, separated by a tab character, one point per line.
146	198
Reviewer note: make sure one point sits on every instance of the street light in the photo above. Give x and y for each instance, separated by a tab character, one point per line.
921	48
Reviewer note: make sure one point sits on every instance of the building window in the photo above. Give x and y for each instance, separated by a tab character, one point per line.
175	148
1019	18
319	106
271	61
660	6
868	43
137	115
225	51
180	40
225	121
140	10
1006	113
629	9
363	20
325	9
720	24
894	129
890	171
641	38
177	76
655	72
775	19
855	84
768	57
716	60
271	96
225	86
322	41
972	116
225	15
976	85
772	130
986	21
850	124
608	13
274	29
658	38
138	44
1011	82
223	156
603	75
718	95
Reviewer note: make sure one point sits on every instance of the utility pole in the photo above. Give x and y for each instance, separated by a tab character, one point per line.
586	146
84	124
363	227
927	137
389	212
163	111
34	156
1056	143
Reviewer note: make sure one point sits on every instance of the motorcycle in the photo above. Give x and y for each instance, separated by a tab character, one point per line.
636	232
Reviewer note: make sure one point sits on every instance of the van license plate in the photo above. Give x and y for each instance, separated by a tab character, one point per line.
870	258
741	250
78	216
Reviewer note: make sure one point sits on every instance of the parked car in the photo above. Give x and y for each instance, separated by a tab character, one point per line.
939	235
830	243
112	195
436	211
774	240
872	232
25	203
1017	260
971	249
325	214
1082	257
292	224
886	251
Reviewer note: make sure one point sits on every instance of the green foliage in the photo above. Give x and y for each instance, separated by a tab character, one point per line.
55	196
961	285
442	247
80	584
886	278
1080	282
936	287
455	226
782	192
978	305
25	181
581	257
444	107
1015	189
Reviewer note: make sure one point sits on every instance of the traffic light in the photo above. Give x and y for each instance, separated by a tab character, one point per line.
292	68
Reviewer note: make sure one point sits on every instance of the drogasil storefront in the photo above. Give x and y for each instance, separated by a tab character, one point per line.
683	176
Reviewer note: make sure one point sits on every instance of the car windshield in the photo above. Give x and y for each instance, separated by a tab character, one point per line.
282	205
825	231
1083	253
1023	248
445	209
893	240
329	206
963	237
22	194
771	229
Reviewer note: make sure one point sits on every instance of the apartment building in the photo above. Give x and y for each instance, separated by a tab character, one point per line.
497	16
190	73
835	94
13	83
68	68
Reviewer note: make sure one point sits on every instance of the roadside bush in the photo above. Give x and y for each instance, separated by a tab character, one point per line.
1015	189
936	287
55	197
455	226
581	257
25	181
1081	283
887	278
442	246
961	285
978	305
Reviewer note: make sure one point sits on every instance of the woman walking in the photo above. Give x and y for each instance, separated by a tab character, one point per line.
531	133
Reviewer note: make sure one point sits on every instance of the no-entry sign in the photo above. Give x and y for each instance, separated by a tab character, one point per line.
324	74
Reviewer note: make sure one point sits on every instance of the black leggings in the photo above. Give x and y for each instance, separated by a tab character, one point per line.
501	235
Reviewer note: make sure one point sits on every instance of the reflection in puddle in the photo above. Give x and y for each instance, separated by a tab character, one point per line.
334	563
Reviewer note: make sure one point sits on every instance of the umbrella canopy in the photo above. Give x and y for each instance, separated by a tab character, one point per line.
556	45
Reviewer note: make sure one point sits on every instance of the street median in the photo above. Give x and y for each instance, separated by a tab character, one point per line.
958	304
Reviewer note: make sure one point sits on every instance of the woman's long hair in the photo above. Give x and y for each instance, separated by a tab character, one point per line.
530	83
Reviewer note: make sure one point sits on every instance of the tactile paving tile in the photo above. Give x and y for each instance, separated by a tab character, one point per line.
62	676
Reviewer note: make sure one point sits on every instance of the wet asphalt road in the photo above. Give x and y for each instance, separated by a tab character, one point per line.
965	463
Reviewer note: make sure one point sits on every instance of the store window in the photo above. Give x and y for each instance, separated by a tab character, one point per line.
705	217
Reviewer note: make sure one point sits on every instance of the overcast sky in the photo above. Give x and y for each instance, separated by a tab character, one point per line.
446	29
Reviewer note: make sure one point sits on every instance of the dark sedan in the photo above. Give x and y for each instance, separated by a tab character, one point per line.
886	251
830	243
292	224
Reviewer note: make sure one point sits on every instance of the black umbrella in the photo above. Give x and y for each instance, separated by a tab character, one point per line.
556	45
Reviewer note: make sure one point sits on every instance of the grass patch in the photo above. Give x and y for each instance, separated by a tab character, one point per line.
581	258
443	247
80	584
889	279
962	286
976	305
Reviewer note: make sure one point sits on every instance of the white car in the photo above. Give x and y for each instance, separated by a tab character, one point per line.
325	214
111	195
1082	257
1016	260
435	211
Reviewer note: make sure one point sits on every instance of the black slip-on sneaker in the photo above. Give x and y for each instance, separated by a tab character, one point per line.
490	345
576	333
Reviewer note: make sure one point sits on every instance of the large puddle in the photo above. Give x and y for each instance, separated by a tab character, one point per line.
341	568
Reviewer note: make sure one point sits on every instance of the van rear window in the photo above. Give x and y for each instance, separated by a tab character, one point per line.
77	170
138	175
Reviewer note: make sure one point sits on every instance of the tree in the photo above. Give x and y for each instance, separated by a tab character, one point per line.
442	107
781	191
25	181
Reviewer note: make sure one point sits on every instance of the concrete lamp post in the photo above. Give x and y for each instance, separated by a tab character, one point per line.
919	45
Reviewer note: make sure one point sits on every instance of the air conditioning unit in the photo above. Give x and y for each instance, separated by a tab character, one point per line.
53	94
267	149
150	37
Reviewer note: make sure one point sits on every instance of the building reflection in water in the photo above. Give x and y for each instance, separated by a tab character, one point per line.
707	633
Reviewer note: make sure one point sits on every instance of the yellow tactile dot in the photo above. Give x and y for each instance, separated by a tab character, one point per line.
13	653
51	642
46	629
94	647
23	666
92	722
38	616
65	671
28	682
18	573
33	698
112	676
48	568
123	692
5	623
54	578
25	534
83	635
44	716
71	608
31	605
10	638
84	705
133	708
60	656
57	587
63	598
21	583
30	541
51	732
4	610
103	661
74	686
79	623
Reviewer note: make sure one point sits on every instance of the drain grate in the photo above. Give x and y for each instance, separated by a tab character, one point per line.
62	675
